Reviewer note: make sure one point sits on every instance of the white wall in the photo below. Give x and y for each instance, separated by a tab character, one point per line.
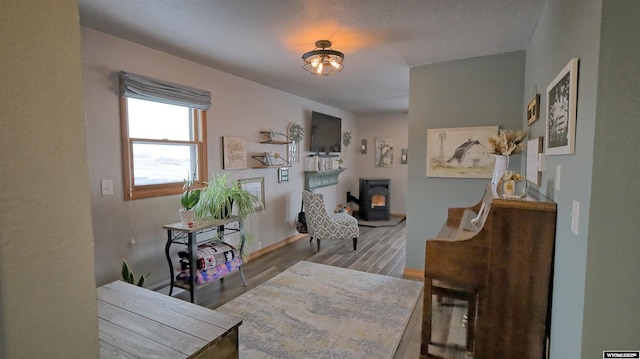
240	108
47	286
393	126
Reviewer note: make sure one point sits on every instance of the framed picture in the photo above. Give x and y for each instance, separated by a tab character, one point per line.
460	152
234	153
533	109
255	186
533	171
562	95
283	174
384	152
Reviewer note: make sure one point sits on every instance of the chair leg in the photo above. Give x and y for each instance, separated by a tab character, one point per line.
310	239
318	240
355	243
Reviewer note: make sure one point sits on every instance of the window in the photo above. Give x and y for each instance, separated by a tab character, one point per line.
163	143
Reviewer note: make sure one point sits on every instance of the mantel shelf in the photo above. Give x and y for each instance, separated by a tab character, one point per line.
318	179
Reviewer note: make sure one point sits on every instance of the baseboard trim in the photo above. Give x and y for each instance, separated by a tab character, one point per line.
273	247
413	273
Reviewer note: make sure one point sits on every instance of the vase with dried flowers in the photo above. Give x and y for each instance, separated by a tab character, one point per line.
505	144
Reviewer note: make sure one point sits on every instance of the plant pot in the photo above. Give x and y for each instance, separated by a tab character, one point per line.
187	216
226	212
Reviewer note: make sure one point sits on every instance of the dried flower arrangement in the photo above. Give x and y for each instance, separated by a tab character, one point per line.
508	142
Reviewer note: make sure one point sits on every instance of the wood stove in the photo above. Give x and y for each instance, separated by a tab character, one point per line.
374	202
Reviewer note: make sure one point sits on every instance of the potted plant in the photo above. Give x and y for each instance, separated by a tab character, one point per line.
129	277
220	196
188	200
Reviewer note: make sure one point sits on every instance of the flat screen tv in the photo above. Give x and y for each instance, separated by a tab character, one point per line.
326	133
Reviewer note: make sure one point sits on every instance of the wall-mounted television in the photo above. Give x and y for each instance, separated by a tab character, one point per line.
326	133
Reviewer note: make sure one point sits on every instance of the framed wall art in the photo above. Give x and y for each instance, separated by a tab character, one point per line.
384	152
255	186
234	153
460	152
533	172
533	109
562	95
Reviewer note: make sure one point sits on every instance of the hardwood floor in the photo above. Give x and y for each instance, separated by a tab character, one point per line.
380	250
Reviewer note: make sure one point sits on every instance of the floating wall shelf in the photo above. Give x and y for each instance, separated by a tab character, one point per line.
272	140
267	160
274	162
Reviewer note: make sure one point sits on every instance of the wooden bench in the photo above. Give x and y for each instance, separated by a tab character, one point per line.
139	323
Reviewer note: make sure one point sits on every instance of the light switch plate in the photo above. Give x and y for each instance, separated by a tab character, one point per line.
107	187
557	184
575	217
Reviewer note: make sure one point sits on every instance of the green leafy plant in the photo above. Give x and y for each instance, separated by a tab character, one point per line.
191	196
221	195
129	277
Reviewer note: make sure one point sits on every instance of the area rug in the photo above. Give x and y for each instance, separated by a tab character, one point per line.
319	311
393	220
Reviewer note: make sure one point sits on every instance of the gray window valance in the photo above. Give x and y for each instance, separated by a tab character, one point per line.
145	88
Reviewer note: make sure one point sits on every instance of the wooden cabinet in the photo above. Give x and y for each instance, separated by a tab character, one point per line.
507	260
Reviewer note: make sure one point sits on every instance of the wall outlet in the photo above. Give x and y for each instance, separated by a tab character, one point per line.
259	244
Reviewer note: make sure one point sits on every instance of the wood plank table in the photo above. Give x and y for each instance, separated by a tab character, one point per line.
139	323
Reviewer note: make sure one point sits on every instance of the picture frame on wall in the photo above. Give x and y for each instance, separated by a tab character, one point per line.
562	95
384	152
533	109
234	153
255	186
533	171
460	152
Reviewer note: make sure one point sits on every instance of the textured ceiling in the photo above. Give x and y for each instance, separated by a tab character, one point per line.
263	40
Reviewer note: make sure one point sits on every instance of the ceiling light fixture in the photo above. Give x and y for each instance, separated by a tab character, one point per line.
323	60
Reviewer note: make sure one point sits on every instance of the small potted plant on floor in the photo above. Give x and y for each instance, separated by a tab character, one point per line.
188	200
129	277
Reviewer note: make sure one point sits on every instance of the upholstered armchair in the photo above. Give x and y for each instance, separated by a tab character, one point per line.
322	225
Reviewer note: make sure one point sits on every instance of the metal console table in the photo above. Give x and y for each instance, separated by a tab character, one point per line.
185	235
